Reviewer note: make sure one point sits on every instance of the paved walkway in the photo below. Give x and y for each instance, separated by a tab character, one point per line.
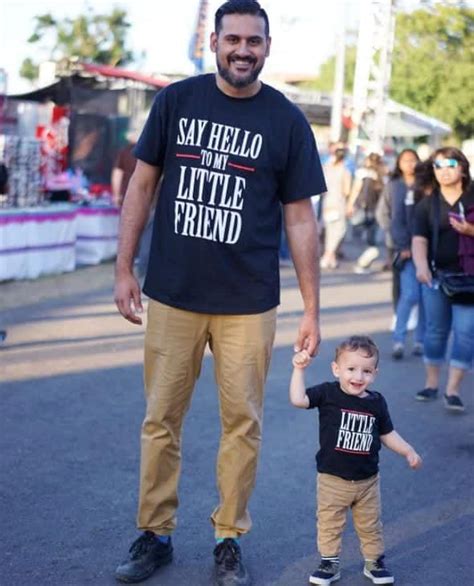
70	411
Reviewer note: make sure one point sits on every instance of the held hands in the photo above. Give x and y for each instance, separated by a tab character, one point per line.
414	460
301	359
127	297
309	336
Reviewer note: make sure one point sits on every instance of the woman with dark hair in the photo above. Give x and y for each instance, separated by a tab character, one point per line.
446	217
402	203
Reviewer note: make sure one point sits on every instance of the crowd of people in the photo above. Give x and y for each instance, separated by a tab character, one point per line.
426	211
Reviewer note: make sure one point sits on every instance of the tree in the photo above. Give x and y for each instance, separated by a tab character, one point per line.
433	64
325	80
98	38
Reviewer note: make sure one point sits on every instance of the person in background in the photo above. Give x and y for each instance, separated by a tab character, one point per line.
402	205
229	172
365	194
124	167
455	202
354	422
334	202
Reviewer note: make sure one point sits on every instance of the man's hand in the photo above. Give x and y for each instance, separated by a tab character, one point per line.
127	297
309	336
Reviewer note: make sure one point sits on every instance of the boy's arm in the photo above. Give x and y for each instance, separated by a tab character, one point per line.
396	443
298	396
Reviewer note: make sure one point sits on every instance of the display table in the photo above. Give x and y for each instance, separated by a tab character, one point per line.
55	239
37	241
96	233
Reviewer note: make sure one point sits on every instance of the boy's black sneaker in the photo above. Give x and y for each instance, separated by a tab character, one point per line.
327	573
426	394
453	403
228	567
377	572
147	554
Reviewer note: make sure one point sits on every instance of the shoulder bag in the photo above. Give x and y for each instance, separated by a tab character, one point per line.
458	287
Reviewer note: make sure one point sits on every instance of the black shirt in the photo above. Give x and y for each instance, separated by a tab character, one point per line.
447	253
349	430
227	165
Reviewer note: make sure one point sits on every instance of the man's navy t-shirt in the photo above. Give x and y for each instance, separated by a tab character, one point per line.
349	430
227	166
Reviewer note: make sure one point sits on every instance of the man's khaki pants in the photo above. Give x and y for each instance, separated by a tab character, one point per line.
174	346
334	497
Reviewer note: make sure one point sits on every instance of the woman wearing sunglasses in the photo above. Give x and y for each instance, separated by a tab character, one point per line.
455	212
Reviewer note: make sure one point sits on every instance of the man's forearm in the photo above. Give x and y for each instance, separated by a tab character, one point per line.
303	242
135	211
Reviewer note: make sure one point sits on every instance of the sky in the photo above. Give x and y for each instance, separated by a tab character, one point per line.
303	32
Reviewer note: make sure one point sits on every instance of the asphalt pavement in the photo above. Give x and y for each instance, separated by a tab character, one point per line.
71	404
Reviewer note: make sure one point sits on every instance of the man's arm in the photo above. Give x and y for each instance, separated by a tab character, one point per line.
302	234
135	211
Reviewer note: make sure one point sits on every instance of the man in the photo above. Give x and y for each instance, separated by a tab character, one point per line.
231	150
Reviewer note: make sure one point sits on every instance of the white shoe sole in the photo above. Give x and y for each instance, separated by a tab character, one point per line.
389	580
324	581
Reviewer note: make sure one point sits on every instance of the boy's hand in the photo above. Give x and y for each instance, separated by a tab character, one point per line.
414	460
301	359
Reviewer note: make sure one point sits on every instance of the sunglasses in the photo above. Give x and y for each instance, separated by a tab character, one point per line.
445	163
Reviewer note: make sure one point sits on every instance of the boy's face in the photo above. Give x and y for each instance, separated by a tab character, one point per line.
355	371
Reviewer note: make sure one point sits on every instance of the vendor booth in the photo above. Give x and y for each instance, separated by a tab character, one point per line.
57	213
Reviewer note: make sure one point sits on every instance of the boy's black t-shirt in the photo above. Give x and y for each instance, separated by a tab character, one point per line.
349	430
227	165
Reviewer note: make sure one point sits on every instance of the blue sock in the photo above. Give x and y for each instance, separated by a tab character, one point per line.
165	539
221	539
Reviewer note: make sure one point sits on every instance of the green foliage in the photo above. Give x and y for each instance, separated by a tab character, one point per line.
98	38
325	80
433	64
28	69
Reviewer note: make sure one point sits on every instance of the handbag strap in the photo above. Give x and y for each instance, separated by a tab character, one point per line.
434	240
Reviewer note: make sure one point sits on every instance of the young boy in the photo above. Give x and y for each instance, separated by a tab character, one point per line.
353	422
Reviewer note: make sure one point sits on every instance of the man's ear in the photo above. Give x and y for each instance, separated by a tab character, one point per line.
269	43
335	369
213	42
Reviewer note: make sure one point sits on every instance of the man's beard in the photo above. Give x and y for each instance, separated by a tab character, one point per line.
238	82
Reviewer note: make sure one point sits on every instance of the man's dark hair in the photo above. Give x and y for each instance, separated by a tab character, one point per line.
240	7
354	343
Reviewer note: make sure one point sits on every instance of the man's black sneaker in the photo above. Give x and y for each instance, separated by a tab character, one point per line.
426	394
327	573
453	403
228	567
147	554
377	572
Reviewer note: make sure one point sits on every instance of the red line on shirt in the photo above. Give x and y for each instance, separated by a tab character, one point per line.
185	156
357	412
252	169
352	452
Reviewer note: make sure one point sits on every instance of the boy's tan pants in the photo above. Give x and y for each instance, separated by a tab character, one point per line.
174	346
334	497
